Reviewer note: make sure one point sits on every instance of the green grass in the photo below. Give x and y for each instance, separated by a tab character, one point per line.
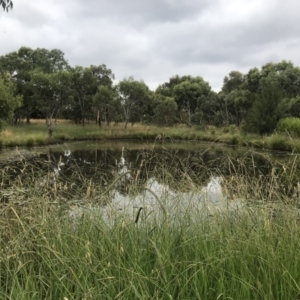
225	251
230	255
36	134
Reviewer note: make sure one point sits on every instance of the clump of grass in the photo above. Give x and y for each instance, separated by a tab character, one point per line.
279	142
234	140
11	143
29	142
40	140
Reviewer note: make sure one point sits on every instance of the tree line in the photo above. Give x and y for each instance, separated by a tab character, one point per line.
40	83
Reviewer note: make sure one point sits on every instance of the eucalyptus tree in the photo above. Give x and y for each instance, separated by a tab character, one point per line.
107	104
233	81
20	65
236	97
286	79
167	88
252	80
186	90
9	100
266	110
52	93
238	102
187	94
84	85
134	97
165	110
209	111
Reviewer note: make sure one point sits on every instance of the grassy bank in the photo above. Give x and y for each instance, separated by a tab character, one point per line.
211	251
36	134
233	249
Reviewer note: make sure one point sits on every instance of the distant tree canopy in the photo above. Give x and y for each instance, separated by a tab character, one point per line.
50	88
6	4
9	100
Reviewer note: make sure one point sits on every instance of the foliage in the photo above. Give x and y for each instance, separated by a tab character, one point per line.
290	126
165	112
233	81
51	94
107	104
134	97
83	94
187	93
265	113
291	106
21	65
6	4
9	101
84	86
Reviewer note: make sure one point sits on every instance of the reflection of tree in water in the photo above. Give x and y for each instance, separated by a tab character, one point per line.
260	177
255	175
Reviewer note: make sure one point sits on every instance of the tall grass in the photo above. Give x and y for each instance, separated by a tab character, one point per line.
212	251
240	255
36	134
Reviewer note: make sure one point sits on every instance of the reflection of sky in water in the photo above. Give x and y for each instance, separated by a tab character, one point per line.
195	203
204	201
208	198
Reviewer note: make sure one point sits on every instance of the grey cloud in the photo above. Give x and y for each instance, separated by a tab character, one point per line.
234	42
141	11
28	16
156	39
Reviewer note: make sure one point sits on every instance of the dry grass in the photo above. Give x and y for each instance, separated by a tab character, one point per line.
65	130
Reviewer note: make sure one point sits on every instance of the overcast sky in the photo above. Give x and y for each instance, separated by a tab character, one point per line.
153	40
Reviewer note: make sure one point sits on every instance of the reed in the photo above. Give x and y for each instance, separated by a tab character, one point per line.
246	246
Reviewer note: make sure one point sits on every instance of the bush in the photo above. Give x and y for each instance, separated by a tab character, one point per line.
278	142
262	118
289	125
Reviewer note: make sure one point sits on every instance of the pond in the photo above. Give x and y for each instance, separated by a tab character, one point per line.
126	176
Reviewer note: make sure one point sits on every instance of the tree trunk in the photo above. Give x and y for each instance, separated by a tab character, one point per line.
49	123
99	118
27	119
50	131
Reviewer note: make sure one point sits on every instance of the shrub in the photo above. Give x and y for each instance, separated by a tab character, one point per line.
289	125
